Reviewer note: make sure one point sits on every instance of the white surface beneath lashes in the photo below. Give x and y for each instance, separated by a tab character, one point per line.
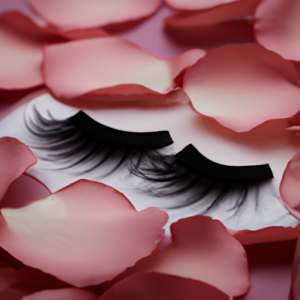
185	126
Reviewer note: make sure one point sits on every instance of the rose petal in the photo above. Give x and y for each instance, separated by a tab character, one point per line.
21	47
124	95
10	99
8	261
80	34
23	191
203	250
289	186
110	66
83	234
15	159
219	14
277	27
293	128
62	294
242	86
161	287
237	32
21	52
74	34
196	4
295	123
26	281
11	294
181	62
295	119
266	235
295	284
4	263
70	14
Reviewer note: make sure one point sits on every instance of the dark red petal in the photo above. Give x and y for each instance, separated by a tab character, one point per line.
156	286
15	159
295	285
266	235
62	294
18	283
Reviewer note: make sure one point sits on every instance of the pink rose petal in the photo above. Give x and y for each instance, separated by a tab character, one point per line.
277	27
197	4
219	14
21	52
15	159
295	284
290	186
201	249
70	14
110	66
293	128
62	294
155	286
181	62
21	48
83	234
242	86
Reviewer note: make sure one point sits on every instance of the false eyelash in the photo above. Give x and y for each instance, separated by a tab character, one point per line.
192	177
80	141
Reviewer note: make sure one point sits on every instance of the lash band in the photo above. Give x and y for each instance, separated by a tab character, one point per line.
100	132
193	159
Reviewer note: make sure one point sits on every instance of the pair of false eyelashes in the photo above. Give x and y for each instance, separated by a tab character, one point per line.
188	175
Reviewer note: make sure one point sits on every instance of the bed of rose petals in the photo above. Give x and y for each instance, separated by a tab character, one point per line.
87	241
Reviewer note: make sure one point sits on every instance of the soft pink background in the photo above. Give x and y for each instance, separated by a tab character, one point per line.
270	264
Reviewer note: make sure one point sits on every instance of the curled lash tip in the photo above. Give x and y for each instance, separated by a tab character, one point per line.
191	176
79	140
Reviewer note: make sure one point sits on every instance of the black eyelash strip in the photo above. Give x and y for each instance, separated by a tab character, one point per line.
193	159
107	135
79	140
192	176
